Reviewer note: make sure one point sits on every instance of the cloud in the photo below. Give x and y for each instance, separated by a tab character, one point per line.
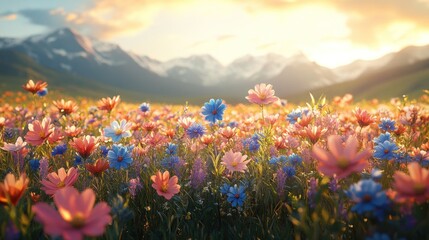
225	37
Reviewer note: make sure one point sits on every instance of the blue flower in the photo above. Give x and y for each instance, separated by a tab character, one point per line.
252	143
382	138
283	159
213	110
387	125
171	149
59	150
368	196
293	116
290	171
120	156
144	107
77	160
34	164
104	150
225	188
295	159
43	92
236	196
118	131
385	150
196	130
274	160
233	124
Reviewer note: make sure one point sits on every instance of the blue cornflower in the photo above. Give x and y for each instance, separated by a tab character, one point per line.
274	160
119	156
283	158
59	150
34	164
382	138
196	130
368	196
225	188
171	149
77	160
104	150
236	196
293	116
295	159
385	150
290	171
118	131
170	162
144	107
387	125
213	110
251	143
402	157
42	92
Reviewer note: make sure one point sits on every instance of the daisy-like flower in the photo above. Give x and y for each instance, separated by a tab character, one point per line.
38	132
236	196
35	87
368	196
76	216
263	94
12	189
108	103
120	156
144	107
64	107
196	130
14	147
235	161
118	131
213	110
413	187
164	185
55	181
98	167
341	160
85	145
363	117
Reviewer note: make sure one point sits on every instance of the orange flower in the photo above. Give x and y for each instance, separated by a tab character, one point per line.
413	187
98	167
164	185
341	160
12	189
76	216
84	145
55	181
39	132
64	107
108	103
34	87
363	117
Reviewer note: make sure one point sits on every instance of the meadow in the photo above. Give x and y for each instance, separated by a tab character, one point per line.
78	168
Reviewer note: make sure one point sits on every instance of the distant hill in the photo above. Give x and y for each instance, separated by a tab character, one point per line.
85	66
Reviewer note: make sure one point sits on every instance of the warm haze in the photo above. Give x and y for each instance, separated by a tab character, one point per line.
330	32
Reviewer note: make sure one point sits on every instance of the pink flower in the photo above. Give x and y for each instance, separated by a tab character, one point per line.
341	160
164	185
55	181
413	187
84	145
12	189
262	95
76	216
235	161
14	147
39	132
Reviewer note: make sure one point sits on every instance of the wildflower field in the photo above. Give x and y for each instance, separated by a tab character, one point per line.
264	169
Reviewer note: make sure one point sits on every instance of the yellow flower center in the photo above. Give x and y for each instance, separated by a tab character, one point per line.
234	164
78	220
419	188
342	163
118	131
61	184
164	188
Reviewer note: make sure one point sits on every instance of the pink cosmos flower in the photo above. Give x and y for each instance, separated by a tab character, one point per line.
164	185
235	161
54	181
76	216
39	132
14	147
413	187
84	145
262	95
341	160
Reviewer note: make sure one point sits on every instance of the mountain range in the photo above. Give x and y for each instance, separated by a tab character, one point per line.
82	65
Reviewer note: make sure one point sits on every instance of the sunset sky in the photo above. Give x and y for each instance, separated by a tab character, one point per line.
330	32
